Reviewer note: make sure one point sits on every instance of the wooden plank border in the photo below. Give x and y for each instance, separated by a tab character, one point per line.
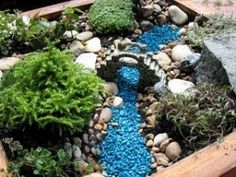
215	160
53	10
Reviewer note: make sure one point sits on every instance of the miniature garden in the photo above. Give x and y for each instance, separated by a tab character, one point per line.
121	89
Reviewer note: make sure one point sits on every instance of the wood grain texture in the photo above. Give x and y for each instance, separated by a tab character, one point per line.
193	8
3	162
215	160
53	10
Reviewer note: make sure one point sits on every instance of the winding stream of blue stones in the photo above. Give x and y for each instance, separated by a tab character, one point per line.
123	150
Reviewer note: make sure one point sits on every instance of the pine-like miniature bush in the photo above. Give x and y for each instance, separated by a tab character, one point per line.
47	90
111	16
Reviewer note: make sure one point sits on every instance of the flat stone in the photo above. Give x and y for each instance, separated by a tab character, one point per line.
179	52
159	138
218	61
84	36
179	86
178	16
8	62
93	45
88	60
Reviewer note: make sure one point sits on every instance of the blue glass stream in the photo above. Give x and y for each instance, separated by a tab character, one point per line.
123	150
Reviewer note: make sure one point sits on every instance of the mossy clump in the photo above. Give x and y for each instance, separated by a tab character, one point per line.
48	91
216	25
201	119
109	16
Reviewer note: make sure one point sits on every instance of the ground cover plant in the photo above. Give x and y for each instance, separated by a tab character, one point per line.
111	16
201	119
48	91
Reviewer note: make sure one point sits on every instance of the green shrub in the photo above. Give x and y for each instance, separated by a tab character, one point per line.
48	90
201	119
216	25
111	16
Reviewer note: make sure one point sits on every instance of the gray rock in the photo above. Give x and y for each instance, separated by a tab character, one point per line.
84	36
173	150
218	61
76	47
157	9
189	63
8	62
76	152
178	16
159	138
88	60
145	25
105	115
147	10
160	88
111	88
161	19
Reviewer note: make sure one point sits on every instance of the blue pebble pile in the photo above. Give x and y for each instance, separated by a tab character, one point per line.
158	35
123	150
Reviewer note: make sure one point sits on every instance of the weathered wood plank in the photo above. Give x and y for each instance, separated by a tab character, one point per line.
215	160
53	10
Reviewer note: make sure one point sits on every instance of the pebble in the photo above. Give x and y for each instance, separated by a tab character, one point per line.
160	88
154	165
94	175
192	25
88	60
164	144
86	138
178	16
147	10
118	102
173	150
161	19
182	31
76	152
161	159
163	59
7	62
70	34
159	138
179	52
105	115
146	25
84	36
157	9
151	120
179	86
76	47
149	143
93	45
111	87
98	127
155	149
150	136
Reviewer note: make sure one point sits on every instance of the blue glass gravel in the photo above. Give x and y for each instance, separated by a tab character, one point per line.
158	35
123	150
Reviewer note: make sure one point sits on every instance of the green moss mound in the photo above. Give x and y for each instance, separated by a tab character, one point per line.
47	90
109	16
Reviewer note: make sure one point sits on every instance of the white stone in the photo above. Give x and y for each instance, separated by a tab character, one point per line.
76	47
192	25
93	45
1	74
111	87
182	31
179	86
179	52
118	102
163	59
178	16
70	34
159	138
7	62
94	175
84	36
88	60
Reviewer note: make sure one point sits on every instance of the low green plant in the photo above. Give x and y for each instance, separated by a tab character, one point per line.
39	161
107	16
201	119
49	91
216	25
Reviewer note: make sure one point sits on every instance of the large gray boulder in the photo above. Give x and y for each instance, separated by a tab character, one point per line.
218	61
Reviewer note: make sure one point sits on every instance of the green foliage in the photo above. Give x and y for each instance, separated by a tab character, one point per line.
217	24
111	16
48	90
201	119
39	161
34	34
